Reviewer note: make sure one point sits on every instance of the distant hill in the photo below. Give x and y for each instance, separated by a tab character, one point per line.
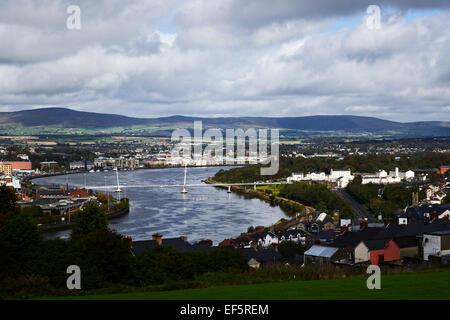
66	118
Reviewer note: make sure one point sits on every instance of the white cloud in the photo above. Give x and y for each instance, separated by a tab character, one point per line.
227	58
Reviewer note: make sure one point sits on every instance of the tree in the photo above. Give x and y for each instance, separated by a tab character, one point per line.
376	205
19	239
224	259
290	248
88	220
51	261
357	179
162	264
8	200
104	258
347	212
387	209
33	211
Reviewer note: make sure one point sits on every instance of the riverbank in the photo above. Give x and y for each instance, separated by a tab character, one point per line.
290	207
67	226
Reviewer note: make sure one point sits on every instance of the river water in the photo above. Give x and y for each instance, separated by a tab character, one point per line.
202	213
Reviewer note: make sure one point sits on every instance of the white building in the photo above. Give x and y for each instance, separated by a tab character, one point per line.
436	243
343	177
10	181
382	177
23	157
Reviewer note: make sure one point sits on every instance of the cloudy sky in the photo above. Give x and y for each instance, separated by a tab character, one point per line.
150	58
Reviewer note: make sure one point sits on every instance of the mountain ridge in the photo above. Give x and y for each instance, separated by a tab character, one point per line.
68	118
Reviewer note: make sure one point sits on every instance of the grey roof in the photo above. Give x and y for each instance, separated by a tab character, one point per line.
413	228
375	244
176	243
293	233
439	233
321	251
420	211
326	235
437	225
352	239
406	242
390	231
264	256
260	235
243	240
51	193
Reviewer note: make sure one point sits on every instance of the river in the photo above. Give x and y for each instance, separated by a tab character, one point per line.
203	213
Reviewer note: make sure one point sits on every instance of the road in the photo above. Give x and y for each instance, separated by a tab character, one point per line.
360	212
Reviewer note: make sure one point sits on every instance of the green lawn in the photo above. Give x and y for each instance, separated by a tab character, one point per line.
422	285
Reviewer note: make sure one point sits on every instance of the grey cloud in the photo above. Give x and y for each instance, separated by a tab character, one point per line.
227	58
252	13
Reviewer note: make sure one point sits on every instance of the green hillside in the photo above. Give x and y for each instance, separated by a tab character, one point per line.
71	122
420	285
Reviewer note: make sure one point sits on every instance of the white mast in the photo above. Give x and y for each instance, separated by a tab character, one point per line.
117	176
184	184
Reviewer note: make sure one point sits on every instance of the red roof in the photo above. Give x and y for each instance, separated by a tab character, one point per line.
18	165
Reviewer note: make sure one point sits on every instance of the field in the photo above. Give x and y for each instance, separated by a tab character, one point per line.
420	285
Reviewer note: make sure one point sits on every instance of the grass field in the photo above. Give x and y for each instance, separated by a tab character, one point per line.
421	285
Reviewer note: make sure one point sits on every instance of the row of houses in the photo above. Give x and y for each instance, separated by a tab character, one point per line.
394	243
424	213
265	239
254	256
436	192
418	238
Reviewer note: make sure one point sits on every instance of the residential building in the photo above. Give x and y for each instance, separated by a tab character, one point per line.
10	181
180	244
443	169
49	165
78	194
423	213
23	157
436	243
113	163
323	255
408	247
17	165
6	169
77	165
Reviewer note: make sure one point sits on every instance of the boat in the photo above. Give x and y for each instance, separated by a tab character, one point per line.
184	191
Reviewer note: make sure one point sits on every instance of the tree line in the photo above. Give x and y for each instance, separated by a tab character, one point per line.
384	200
317	196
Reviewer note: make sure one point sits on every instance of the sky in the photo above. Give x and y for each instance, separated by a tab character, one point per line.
209	58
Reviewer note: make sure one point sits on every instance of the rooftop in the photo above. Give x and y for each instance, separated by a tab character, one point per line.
321	251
